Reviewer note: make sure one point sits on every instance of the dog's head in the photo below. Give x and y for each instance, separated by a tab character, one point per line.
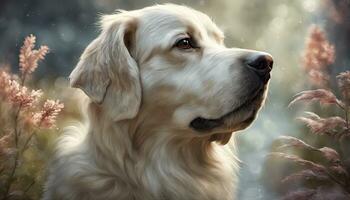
168	67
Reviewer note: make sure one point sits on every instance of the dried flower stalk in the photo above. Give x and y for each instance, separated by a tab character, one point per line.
319	54
327	166
22	102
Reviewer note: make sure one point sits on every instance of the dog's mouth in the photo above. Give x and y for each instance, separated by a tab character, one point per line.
252	105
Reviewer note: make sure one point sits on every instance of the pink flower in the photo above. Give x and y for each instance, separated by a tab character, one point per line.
300	194
305	163
5	146
306	174
318	78
344	85
46	118
320	125
288	142
19	95
4	83
330	154
319	53
28	58
321	95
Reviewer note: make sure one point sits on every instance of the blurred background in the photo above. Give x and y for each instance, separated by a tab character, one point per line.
275	26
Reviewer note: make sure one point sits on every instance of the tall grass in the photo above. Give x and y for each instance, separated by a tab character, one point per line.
23	113
320	172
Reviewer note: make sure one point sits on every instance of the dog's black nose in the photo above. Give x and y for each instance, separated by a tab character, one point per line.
261	64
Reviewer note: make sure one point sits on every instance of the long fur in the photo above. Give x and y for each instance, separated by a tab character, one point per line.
137	143
102	163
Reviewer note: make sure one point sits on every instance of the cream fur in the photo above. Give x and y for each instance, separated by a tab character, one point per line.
137	143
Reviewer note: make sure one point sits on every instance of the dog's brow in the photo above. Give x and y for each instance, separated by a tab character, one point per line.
218	36
194	32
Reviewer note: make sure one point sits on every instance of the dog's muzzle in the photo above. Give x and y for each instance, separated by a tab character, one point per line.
204	125
261	64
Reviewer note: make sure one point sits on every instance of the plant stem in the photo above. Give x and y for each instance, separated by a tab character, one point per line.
15	125
29	138
29	186
346	117
23	79
15	165
13	171
27	141
340	183
340	105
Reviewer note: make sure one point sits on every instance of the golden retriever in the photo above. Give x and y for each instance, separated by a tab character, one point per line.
165	97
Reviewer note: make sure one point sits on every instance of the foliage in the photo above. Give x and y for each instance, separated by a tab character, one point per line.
24	112
324	173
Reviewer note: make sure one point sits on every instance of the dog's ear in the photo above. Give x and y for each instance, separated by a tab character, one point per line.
107	73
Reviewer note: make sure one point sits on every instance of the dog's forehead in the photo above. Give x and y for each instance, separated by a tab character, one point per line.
162	19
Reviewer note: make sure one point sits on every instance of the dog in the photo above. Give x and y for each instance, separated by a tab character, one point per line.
165	97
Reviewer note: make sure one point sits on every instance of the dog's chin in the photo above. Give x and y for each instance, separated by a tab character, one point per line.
241	118
235	120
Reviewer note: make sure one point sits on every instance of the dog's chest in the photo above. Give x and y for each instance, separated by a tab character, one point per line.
170	181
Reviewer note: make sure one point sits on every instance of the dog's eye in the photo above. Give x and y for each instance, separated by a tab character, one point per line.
186	43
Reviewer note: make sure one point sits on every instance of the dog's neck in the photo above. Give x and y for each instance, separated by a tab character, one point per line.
135	140
158	156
